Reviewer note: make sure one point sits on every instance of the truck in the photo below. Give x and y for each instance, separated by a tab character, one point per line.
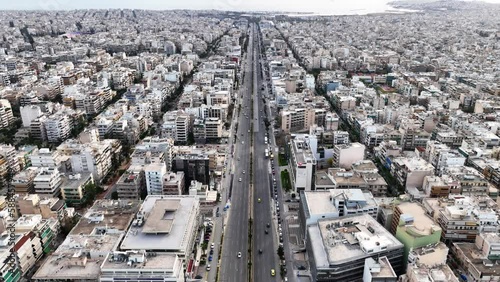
266	153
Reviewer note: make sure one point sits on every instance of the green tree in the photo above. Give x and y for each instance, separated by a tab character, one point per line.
190	138
114	195
330	162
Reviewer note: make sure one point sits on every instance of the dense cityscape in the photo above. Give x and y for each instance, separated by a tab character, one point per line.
205	145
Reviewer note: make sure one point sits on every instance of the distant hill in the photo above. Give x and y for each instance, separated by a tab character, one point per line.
440	5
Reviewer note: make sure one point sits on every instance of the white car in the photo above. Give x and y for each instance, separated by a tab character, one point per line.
239	179
212	246
239	254
243	172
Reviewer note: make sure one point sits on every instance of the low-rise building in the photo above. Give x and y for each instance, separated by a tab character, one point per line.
130	185
479	260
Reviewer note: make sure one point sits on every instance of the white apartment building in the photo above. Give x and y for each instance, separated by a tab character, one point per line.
154	174
6	115
45	158
181	128
48	182
10	154
303	165
340	137
58	128
344	155
213	128
29	113
95	158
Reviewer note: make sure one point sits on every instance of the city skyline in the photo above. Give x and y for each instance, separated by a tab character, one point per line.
318	6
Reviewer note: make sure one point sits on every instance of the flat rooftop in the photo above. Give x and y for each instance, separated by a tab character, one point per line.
116	214
69	262
385	270
160	261
422	223
161	217
318	202
339	241
475	256
179	216
323	179
431	255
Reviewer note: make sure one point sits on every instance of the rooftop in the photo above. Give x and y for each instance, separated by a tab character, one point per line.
338	241
318	202
158	261
167	222
419	223
116	214
480	262
69	261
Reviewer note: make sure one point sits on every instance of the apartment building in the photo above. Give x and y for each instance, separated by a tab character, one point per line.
463	218
182	128
341	137
48	182
379	270
44	157
213	128
366	180
130	185
479	259
345	155
23	181
302	164
95	158
413	227
73	188
58	128
194	165
85	248
173	183
6	115
10	154
154	175
411	172
30	113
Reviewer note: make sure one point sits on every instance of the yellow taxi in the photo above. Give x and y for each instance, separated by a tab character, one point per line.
273	273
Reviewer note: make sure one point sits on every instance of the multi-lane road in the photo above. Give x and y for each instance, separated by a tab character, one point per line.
235	240
251	195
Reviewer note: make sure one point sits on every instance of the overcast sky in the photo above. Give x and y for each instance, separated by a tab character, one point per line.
319	6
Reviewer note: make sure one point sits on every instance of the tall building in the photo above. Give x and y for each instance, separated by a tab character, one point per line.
10	154
346	155
154	175
303	165
6	115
